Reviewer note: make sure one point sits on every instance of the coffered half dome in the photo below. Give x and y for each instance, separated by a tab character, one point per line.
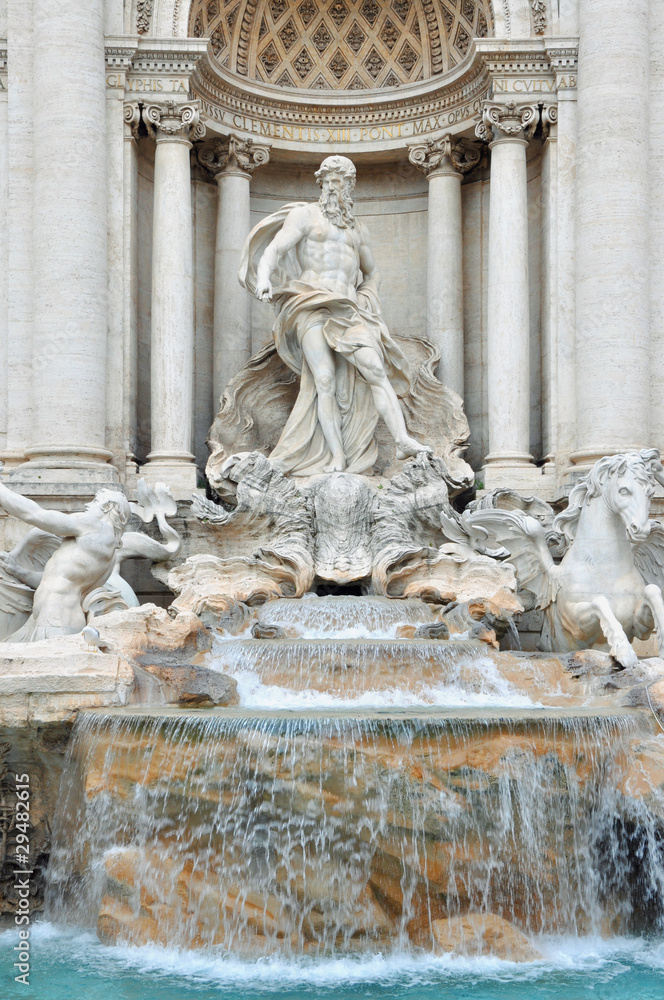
339	44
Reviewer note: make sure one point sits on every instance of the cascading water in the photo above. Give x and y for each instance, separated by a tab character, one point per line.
334	672
344	652
321	834
345	615
376	801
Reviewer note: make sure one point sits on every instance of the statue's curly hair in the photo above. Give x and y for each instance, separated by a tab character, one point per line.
338	165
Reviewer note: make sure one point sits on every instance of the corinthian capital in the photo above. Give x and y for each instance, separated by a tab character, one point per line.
230	154
174	121
444	154
507	121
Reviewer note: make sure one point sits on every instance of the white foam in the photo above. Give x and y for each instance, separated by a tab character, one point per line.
492	691
605	959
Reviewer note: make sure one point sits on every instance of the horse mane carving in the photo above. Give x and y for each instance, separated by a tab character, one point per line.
592	485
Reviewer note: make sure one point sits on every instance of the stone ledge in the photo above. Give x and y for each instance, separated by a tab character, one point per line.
48	681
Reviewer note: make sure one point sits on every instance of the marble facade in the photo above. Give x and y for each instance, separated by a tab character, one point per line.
515	223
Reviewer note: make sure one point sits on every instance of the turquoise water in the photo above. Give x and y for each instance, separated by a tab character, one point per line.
70	965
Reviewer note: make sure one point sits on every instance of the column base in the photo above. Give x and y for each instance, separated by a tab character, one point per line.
63	467
177	471
524	477
583	460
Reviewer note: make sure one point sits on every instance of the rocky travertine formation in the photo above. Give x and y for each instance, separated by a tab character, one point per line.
283	536
307	835
483	934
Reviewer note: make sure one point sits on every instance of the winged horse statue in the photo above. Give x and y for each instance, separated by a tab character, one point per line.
607	588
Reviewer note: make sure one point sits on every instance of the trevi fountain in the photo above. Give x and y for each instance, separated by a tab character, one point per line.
332	569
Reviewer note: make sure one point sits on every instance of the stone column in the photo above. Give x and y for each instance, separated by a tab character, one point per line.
612	210
231	161
130	287
19	234
172	335
507	128
656	234
444	161
549	283
560	155
68	440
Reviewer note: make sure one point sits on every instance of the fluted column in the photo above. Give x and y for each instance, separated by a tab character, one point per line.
507	128
443	162
232	162
612	308
68	439
172	340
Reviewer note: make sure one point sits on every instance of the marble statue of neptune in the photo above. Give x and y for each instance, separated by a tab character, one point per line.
315	264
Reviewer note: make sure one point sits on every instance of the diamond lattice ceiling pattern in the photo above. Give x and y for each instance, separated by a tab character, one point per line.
339	44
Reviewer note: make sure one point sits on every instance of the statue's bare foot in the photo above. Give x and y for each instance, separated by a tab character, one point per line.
408	447
338	464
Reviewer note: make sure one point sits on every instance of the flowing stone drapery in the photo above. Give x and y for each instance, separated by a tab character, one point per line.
231	161
444	161
507	128
68	439
612	307
172	343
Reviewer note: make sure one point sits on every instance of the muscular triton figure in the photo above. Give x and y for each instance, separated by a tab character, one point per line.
314	261
93	543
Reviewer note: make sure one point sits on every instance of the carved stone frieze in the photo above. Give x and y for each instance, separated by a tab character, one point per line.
435	155
538	8
143	16
507	121
175	121
230	154
118	57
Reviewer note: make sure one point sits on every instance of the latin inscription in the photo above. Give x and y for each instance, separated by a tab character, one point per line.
519	85
146	85
339	134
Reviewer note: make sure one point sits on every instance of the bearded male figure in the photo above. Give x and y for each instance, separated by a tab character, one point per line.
314	262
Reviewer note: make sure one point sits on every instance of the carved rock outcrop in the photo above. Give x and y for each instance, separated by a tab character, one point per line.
395	538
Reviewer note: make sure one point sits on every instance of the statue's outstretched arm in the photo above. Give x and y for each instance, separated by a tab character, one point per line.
64	525
136	545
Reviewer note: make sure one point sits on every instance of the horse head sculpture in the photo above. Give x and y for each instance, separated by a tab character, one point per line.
607	588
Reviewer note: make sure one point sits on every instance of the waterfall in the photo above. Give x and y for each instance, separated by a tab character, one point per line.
371	616
333	832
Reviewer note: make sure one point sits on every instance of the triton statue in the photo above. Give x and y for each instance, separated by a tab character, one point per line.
66	569
314	262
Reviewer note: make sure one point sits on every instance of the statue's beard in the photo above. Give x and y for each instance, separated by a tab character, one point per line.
338	209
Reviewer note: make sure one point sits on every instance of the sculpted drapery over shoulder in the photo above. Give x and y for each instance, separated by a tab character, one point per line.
314	262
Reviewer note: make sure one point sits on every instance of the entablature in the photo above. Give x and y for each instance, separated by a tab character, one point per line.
355	122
